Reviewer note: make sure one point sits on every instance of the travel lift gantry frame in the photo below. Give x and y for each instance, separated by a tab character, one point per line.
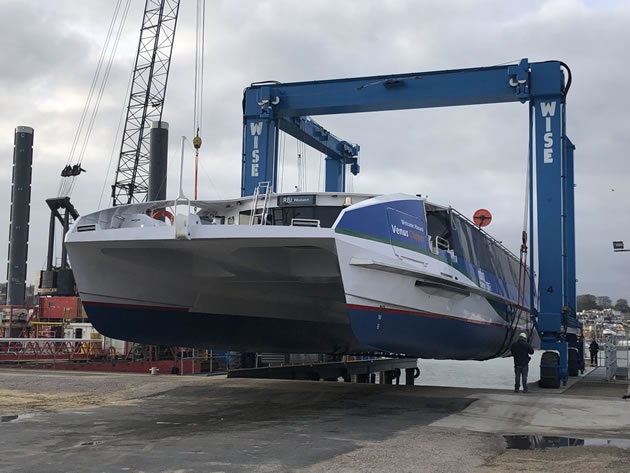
271	106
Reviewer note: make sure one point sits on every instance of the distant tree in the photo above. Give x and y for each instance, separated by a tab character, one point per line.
622	305
586	302
604	302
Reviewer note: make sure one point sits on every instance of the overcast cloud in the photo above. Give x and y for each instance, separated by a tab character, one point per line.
467	157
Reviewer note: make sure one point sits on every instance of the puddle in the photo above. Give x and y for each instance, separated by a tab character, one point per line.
7	418
542	442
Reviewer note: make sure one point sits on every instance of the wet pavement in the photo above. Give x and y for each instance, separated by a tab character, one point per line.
247	426
542	442
64	422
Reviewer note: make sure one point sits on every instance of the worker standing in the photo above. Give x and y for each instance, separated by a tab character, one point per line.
594	348
520	352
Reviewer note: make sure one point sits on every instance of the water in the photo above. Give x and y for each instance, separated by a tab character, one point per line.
497	373
543	442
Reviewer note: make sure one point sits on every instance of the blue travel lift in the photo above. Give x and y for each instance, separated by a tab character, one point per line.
271	106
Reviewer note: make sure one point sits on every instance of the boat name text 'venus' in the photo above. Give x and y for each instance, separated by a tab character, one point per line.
400	231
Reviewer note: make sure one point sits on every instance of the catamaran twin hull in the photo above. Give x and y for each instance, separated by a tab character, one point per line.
372	283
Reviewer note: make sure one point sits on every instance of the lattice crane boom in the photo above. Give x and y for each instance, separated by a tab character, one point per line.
146	100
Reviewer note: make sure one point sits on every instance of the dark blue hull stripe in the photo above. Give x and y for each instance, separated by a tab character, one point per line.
426	335
176	327
370	329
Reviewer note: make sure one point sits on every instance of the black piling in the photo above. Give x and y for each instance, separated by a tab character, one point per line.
158	161
20	214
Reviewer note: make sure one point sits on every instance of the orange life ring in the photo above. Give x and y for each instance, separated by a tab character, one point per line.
158	214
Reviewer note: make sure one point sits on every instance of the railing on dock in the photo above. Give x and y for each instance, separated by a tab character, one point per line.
622	356
49	349
613	358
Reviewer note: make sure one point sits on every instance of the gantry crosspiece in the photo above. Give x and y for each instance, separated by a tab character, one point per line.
146	100
267	106
339	153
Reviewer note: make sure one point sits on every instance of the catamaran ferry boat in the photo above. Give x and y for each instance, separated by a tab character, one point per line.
300	273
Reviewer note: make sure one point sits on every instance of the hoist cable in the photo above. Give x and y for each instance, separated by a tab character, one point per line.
203	50
199	67
518	311
100	93
305	161
216	189
116	144
104	81
198	88
283	145
319	173
67	182
86	106
196	71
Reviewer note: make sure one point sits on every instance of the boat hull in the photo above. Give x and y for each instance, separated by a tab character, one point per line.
275	294
246	294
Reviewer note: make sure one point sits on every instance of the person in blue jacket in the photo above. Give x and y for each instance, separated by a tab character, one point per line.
520	351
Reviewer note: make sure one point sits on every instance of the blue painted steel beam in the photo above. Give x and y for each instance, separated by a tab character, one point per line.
335	175
313	134
554	209
272	101
548	148
569	228
392	92
316	136
532	238
260	138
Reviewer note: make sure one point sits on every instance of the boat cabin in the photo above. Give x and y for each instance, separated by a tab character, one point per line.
314	210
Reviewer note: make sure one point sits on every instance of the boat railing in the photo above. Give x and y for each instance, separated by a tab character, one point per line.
442	243
164	210
438	243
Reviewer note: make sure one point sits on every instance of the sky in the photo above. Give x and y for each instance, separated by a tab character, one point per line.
467	157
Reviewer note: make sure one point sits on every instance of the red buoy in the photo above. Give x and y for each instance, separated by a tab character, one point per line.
482	217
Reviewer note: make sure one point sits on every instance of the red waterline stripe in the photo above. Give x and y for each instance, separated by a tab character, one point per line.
133	306
429	315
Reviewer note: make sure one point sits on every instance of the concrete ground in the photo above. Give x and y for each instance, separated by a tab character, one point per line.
123	422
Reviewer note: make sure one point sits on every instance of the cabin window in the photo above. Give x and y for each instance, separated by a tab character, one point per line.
205	220
283	215
479	249
439	225
325	214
